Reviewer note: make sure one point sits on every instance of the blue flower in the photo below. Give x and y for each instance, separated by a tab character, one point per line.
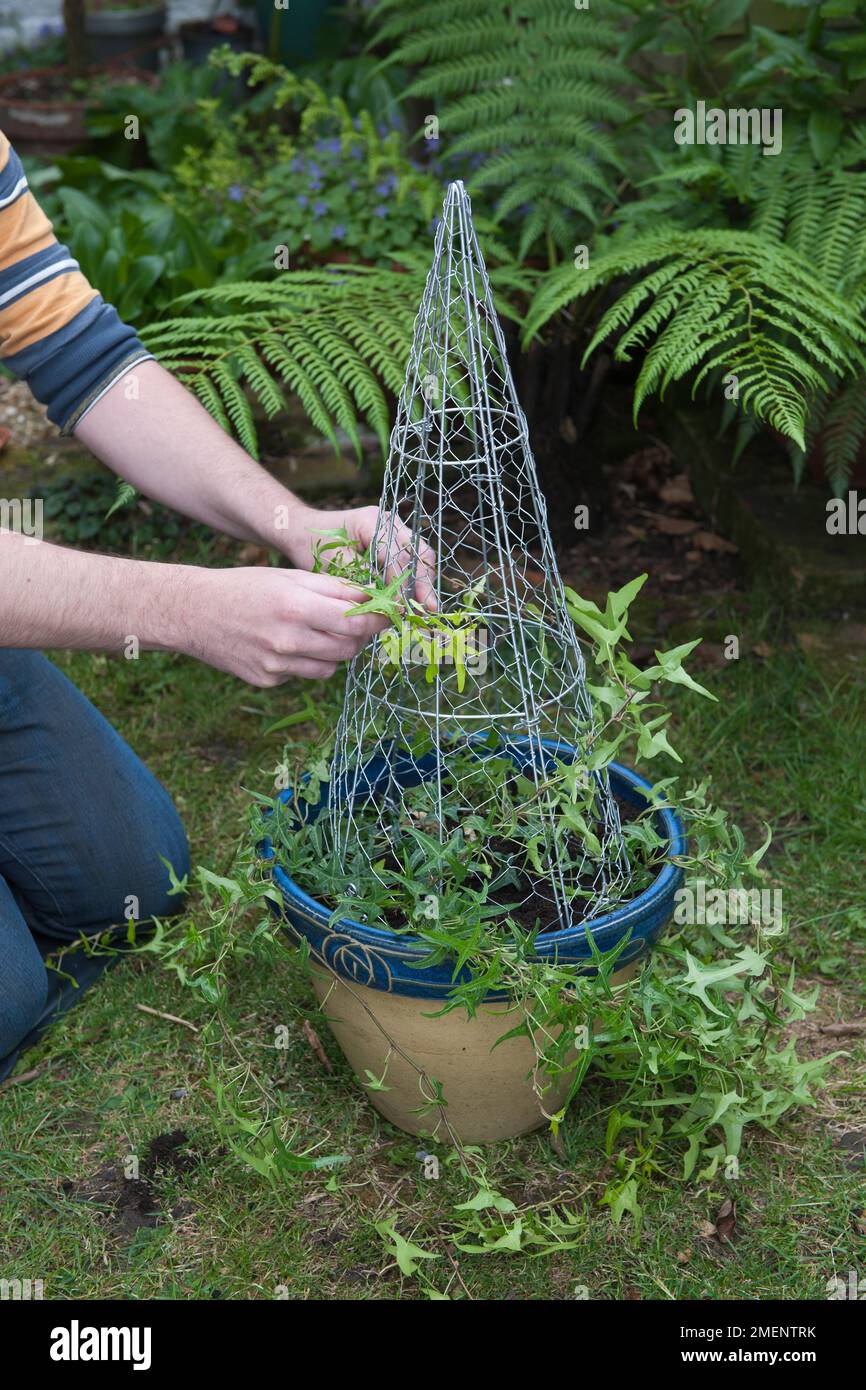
380	211
388	185
319	208
302	200
357	152
236	193
339	232
353	184
313	169
332	145
296	165
314	185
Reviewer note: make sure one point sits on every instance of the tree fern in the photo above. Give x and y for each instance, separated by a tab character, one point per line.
528	84
337	338
709	299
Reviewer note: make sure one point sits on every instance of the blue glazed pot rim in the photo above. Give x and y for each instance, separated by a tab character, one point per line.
610	925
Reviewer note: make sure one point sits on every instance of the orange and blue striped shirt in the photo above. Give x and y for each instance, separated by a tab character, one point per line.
56	331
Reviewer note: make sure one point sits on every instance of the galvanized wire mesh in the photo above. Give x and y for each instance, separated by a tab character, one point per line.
461	475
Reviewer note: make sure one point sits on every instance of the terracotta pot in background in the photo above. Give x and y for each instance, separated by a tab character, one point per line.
39	115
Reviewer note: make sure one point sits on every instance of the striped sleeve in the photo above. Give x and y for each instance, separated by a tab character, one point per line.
56	332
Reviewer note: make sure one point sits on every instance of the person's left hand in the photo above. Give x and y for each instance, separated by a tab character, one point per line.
359	523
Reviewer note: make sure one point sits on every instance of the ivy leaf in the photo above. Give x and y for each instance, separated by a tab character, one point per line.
670	668
485	1199
405	1252
653	739
699	978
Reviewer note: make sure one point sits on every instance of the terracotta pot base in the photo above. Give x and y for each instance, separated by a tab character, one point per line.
488	1092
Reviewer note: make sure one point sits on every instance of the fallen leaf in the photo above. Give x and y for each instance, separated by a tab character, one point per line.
708	540
684	1256
810	641
706	1230
315	1043
726	1219
672	525
5	436
632	1294
710	654
762	649
252	554
677	491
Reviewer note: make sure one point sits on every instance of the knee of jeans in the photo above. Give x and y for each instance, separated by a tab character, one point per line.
23	994
169	861
142	877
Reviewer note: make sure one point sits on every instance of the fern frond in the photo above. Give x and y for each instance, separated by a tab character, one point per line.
530	86
338	338
710	299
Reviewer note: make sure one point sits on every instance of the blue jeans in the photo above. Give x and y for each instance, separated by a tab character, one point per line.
82	827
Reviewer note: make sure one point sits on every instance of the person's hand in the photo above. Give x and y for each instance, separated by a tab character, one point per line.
268	625
397	547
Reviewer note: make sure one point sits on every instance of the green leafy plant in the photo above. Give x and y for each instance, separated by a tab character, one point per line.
714	300
338	338
294	167
529	92
141	253
727	264
681	1060
437	639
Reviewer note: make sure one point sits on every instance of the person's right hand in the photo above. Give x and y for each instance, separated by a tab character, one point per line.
268	625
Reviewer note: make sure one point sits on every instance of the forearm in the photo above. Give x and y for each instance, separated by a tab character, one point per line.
53	597
157	436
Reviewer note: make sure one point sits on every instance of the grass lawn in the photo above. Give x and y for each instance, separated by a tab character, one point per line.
786	744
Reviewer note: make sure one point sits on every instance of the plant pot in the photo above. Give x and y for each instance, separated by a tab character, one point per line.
364	976
40	125
112	34
199	37
488	1089
38	117
289	34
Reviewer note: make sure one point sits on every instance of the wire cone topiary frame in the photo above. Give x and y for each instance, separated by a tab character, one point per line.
436	713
